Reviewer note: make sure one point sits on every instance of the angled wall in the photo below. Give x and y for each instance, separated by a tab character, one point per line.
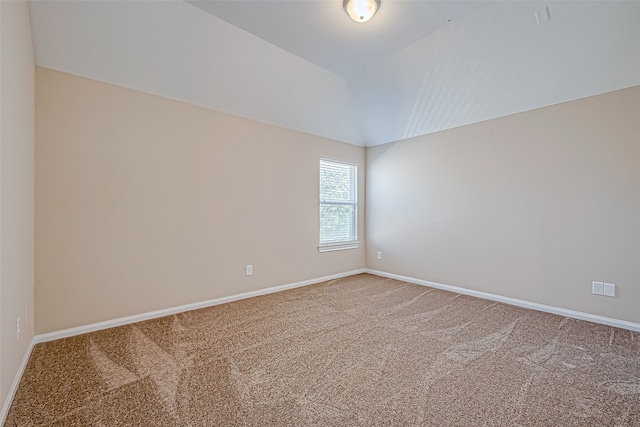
16	187
145	203
533	206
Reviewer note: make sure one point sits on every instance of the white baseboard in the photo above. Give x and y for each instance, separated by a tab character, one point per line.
16	382
513	301
65	333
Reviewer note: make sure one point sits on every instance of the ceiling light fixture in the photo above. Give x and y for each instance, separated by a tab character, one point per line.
361	10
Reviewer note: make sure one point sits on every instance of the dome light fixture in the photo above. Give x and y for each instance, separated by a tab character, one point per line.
361	10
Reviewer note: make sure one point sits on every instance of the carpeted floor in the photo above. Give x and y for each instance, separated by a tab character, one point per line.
358	351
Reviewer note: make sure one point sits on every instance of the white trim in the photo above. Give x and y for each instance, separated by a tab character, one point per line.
352	244
513	301
328	247
343	162
78	330
66	333
16	382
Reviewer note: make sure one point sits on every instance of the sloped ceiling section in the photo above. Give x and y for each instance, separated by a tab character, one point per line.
497	62
173	49
305	66
322	33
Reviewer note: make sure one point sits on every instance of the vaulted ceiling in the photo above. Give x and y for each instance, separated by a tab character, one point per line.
417	67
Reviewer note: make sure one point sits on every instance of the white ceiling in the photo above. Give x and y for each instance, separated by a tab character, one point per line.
322	33
417	67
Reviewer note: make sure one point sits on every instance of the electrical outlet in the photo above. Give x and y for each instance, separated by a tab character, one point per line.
379	255
543	15
18	329
248	270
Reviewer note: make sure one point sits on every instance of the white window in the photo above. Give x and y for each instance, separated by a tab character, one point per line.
338	205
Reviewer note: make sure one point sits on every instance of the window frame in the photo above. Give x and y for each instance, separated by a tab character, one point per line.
347	244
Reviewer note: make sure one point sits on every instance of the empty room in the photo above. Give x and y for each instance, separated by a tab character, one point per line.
319	213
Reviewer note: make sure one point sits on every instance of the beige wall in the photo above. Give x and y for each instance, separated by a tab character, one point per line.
144	203
533	206
16	186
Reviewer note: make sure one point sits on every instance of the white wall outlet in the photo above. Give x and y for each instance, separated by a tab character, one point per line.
379	255
248	270
597	288
543	15
609	290
18	329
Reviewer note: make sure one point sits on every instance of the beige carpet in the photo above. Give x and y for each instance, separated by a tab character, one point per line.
358	351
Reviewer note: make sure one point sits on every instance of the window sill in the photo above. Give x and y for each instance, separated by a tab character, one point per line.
327	247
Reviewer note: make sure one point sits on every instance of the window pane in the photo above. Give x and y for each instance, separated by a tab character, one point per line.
337	223
337	182
338	204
